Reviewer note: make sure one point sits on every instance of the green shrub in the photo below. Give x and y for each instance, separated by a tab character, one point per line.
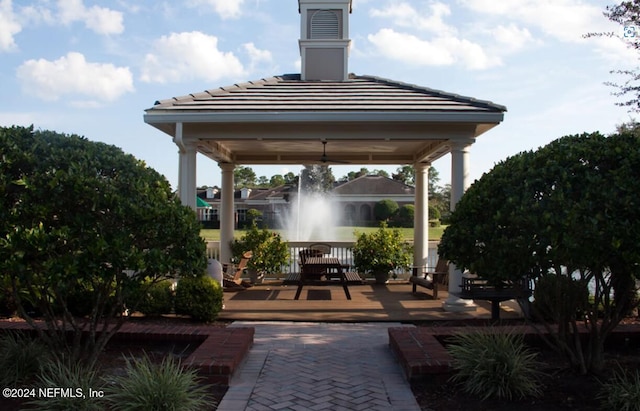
381	251
80	301
434	213
21	358
7	303
492	364
154	299
621	392
158	387
199	297
78	383
385	209
559	298
269	251
405	215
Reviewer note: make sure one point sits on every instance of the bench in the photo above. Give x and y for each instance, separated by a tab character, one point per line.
475	288
431	279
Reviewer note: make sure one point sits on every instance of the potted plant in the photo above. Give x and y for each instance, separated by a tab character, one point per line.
380	252
270	253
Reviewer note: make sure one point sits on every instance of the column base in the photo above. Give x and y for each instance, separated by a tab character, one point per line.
455	304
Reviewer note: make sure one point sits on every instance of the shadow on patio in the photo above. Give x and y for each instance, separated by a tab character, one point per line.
370	302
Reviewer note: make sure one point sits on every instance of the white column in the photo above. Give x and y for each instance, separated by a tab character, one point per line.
421	217
460	181
226	212
187	169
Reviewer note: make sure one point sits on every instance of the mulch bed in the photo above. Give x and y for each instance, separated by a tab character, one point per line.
112	362
563	389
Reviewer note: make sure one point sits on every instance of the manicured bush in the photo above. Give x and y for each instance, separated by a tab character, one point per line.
569	209
78	383
385	209
491	364
405	215
381	251
21	359
154	299
199	297
559	299
434	213
165	386
621	392
76	213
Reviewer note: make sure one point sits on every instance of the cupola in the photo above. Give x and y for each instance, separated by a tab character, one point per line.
324	39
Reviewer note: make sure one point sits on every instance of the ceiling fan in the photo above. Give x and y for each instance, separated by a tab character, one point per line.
325	159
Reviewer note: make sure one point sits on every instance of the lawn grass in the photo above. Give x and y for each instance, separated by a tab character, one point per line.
343	233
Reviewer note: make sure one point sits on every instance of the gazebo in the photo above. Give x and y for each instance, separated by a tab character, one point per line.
324	115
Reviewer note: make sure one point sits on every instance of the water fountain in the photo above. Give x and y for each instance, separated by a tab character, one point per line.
312	216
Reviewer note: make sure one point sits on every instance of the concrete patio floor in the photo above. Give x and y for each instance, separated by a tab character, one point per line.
393	302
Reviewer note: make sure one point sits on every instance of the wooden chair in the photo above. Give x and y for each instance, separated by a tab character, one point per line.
232	276
432	279
310	273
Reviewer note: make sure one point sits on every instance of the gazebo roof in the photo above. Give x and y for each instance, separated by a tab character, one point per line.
371	120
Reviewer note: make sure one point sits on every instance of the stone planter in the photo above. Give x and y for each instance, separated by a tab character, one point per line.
381	277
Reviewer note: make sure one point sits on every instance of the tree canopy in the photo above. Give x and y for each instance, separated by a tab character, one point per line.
572	209
627	14
77	216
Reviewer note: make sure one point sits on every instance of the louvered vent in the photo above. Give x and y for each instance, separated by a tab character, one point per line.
325	25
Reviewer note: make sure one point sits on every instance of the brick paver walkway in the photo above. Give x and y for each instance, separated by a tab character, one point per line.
319	366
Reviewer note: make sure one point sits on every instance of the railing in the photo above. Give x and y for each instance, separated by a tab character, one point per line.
339	249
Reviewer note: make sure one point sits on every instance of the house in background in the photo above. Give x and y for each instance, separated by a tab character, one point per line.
357	198
354	200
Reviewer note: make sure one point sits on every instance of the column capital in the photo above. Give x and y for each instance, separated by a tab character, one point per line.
421	166
227	166
462	144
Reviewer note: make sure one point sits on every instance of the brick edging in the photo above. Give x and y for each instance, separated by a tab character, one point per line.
220	353
420	352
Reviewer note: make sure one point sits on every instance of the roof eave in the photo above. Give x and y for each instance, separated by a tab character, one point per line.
157	117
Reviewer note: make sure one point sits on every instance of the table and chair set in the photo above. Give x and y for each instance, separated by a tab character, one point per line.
318	267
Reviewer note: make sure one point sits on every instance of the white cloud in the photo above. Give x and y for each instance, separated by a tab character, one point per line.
512	37
99	19
9	26
442	51
566	20
189	55
404	15
73	75
34	14
226	9
257	56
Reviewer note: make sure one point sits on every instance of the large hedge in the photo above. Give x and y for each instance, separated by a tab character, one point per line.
76	214
571	208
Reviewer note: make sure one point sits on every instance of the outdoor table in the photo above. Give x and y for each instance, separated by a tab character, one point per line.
323	264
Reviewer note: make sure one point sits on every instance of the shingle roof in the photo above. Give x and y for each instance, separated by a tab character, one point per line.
284	120
359	93
373	184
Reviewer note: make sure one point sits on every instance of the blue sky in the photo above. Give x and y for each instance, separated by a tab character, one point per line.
93	67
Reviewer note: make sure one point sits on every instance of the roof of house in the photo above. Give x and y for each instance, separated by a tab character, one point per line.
373	185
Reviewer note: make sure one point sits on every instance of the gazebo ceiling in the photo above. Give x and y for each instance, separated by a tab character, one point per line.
365	120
